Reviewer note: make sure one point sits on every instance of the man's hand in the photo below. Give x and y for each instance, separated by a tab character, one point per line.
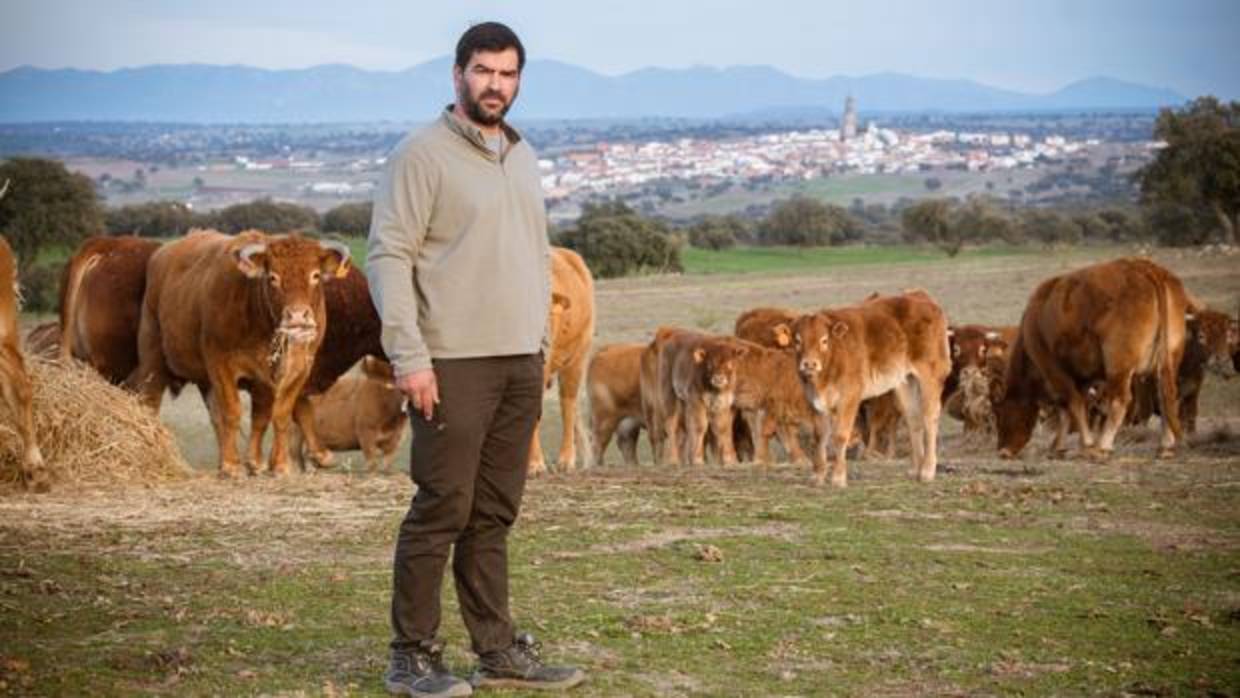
421	389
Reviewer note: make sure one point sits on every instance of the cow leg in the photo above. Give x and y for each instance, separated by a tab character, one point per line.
151	377
696	424
281	422
1059	445
790	438
1169	403
602	427
225	407
843	419
15	386
822	440
1188	411
929	392
570	381
672	448
910	407
757	421
303	415
261	399
720	422
537	462
1116	396
626	440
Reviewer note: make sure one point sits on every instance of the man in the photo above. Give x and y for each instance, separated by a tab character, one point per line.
459	268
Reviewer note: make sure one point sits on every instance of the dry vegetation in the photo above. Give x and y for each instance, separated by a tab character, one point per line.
1033	577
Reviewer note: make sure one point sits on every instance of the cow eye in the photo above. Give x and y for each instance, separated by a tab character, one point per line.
822	341
315	276
797	339
274	278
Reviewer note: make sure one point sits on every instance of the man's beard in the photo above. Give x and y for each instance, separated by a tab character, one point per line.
473	108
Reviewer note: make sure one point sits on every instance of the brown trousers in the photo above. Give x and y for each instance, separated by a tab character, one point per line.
469	464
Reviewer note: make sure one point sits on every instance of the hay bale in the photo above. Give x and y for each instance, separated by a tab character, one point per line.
91	432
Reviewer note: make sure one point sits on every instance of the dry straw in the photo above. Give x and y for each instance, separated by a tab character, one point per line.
91	432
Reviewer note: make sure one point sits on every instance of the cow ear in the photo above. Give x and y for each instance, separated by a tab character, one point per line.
839	329
699	355
783	334
955	350
251	259
561	300
740	350
334	259
951	333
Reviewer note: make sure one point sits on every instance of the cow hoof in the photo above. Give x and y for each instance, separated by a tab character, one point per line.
230	472
1097	455
281	470
37	482
535	469
1006	454
1166	452
323	459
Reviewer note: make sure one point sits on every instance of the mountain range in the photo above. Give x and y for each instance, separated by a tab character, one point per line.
197	93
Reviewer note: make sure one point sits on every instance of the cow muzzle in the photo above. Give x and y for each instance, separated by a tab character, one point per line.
298	325
810	367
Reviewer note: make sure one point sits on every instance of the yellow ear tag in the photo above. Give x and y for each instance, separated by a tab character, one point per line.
342	270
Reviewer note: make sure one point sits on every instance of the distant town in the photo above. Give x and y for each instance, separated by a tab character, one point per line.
651	164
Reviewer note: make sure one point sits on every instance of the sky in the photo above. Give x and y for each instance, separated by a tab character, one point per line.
1031	46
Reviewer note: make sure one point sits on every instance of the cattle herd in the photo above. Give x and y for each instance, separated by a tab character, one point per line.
285	318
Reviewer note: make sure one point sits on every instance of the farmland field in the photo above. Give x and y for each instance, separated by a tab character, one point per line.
1029	577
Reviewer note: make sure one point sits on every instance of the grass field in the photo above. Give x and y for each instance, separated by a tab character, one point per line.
1031	577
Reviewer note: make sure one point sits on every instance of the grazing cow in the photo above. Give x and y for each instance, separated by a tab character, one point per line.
1097	326
101	304
890	343
613	382
771	400
220	311
14	381
979	354
1212	338
363	411
571	329
769	327
688	378
43	340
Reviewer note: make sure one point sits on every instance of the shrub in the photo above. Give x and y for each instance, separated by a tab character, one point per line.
616	241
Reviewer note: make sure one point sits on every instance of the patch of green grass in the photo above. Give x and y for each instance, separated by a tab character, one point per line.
791	259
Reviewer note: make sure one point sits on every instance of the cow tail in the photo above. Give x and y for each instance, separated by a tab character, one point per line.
1164	355
70	285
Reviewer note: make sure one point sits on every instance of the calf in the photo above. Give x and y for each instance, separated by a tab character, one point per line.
363	411
768	327
770	398
892	343
613	382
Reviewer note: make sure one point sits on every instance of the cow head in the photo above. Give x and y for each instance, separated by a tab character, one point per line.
1216	336
716	361
968	346
293	270
815	339
1016	413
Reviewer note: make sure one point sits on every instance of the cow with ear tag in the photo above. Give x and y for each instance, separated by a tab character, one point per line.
225	311
886	344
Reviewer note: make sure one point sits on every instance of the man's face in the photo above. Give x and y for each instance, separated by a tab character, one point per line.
488	85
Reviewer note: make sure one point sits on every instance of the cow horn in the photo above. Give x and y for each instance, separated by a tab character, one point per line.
341	249
251	249
4	189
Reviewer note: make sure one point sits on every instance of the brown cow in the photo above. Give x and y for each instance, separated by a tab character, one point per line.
613	382
978	352
220	311
1107	322
769	327
571	329
1212	338
846	355
688	380
101	304
363	411
770	398
14	381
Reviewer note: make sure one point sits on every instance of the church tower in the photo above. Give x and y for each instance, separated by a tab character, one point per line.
849	130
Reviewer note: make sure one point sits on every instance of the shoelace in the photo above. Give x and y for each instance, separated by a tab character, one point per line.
528	646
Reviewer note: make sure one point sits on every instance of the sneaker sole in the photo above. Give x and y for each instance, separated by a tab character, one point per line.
562	685
400	689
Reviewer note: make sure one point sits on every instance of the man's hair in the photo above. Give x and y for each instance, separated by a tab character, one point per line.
492	37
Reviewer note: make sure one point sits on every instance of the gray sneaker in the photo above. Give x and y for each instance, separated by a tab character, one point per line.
520	666
419	672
